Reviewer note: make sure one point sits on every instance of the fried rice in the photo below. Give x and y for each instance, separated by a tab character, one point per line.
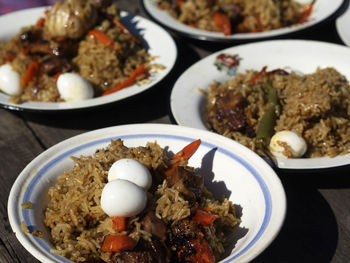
78	225
104	65
315	106
242	16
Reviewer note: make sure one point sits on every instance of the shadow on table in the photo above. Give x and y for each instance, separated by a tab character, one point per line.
310	231
145	107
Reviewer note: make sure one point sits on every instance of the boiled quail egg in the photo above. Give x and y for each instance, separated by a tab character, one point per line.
73	87
131	170
123	198
287	144
9	80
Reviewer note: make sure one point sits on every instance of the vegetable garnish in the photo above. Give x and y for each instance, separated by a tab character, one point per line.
267	122
103	38
128	82
203	252
307	12
30	74
203	217
186	152
258	75
119	223
117	243
40	23
121	26
223	23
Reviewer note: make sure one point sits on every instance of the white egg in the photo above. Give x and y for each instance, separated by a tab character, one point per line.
123	198
296	145
131	170
10	80
73	87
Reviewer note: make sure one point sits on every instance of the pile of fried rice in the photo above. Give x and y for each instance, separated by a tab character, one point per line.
61	41
315	106
242	16
78	225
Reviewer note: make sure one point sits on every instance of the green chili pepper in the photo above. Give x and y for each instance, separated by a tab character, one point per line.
267	122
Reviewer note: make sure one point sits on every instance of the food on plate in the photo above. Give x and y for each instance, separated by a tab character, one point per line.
77	50
238	16
283	112
137	204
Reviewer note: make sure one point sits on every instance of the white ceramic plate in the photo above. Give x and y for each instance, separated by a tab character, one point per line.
342	25
228	168
322	10
160	45
188	103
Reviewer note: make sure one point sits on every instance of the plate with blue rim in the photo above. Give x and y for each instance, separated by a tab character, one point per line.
227	167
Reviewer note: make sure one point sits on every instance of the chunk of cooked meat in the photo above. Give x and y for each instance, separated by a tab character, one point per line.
70	18
52	48
154	251
190	243
53	65
152	224
187	182
230	108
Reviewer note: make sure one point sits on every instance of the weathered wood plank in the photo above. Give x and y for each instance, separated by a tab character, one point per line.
18	146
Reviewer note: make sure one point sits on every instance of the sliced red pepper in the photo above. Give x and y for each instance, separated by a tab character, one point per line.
119	223
9	57
102	37
223	23
204	218
129	81
185	154
187	151
178	3
117	243
203	252
57	75
258	75
40	23
31	72
305	15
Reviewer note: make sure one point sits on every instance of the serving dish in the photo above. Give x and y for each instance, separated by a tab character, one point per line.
158	42
251	184
342	25
322	11
188	100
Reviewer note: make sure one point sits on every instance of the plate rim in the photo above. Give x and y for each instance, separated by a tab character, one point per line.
281	32
340	24
268	176
291	164
53	107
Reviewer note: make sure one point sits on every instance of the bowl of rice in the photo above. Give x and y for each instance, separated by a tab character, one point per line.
210	197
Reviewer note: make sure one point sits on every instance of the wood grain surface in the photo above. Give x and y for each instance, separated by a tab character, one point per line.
317	225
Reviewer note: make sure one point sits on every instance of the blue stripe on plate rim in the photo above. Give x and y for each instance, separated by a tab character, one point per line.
46	167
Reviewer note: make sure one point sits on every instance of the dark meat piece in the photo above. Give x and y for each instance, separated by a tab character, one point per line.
230	110
190	243
34	34
101	3
53	65
185	228
186	182
62	48
136	257
154	225
154	251
211	3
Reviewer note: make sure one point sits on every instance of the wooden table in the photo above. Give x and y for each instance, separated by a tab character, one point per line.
317	225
